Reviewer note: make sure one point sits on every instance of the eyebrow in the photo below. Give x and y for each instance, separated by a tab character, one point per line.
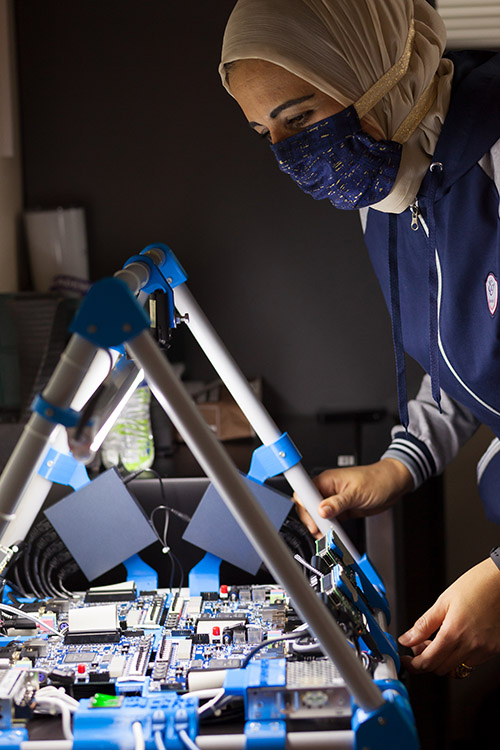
290	103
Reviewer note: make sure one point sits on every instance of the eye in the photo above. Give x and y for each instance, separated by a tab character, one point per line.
299	120
264	134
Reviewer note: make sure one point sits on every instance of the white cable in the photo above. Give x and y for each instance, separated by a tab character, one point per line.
60	693
203	693
207	706
186	741
29	616
139	743
160	745
54	705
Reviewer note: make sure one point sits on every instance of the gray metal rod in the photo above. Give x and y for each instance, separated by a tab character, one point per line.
253	409
72	369
321	740
215	461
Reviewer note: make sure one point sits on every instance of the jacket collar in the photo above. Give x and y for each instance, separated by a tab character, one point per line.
467	134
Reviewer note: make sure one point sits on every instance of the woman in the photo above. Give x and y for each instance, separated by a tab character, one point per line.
361	108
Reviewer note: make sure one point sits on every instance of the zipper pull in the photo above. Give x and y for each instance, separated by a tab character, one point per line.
414	215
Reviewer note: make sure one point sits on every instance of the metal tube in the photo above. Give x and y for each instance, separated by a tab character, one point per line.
215	461
46	745
72	383
253	409
321	740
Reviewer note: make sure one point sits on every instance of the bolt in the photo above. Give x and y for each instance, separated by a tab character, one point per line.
126	327
282	454
92	328
382	721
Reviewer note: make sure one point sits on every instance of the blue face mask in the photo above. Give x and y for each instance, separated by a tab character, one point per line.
336	159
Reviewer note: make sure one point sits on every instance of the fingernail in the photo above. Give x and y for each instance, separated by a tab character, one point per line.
406	638
325	512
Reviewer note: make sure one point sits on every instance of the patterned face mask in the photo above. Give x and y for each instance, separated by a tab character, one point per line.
336	159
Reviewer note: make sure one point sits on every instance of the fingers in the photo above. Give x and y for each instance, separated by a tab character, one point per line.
425	626
336	506
306	519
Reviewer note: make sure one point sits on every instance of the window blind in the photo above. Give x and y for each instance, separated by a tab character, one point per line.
471	23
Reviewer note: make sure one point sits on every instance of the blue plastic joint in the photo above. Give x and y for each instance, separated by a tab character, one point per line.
368	579
384	641
63	468
271	460
109	315
143	575
265	735
165	276
204	576
390	727
55	414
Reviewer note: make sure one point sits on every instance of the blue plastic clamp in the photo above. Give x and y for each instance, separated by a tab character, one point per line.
143	575
11	739
55	414
265	735
271	460
63	468
204	576
261	673
167	275
110	727
109	315
390	727
385	642
368	579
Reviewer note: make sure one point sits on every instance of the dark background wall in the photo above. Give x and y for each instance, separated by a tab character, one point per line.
123	112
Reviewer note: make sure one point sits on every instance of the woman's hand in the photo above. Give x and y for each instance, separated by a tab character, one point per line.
358	491
467	619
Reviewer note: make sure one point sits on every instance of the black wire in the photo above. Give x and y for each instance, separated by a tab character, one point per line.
48	555
18	585
174	560
270	642
179	513
54	565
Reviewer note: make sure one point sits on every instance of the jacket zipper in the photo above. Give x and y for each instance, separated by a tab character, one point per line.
415	215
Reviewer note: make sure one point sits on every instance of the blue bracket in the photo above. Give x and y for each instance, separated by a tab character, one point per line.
55	414
63	468
390	727
143	575
109	315
12	739
271	460
368	579
384	641
265	735
204	576
167	275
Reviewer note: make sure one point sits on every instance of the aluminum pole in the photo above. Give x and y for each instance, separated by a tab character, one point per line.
215	461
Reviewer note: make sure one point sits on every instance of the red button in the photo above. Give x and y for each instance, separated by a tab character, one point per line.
223	588
216	630
81	669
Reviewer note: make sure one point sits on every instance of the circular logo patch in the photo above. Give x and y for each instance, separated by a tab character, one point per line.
492	293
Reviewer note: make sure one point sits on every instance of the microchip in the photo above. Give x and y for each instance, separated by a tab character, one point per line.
84	657
224	663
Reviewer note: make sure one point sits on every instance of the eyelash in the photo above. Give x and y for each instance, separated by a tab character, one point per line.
299	119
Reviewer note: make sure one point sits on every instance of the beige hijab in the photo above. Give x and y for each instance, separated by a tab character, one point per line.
385	55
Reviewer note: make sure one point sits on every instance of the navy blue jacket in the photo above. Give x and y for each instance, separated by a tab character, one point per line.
467	225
